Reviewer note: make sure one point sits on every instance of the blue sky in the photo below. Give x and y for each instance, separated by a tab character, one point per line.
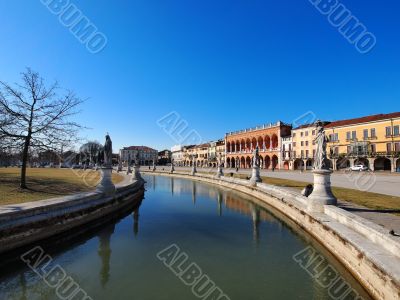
222	65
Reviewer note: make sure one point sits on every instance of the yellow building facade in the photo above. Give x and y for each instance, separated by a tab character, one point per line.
373	141
303	147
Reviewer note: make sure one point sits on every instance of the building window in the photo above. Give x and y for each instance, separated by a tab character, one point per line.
294	144
373	148
294	134
348	135
373	133
313	132
306	133
306	143
307	153
302	153
301	134
302	143
336	150
389	148
354	135
348	149
396	130
397	147
313	153
333	137
388	131
365	133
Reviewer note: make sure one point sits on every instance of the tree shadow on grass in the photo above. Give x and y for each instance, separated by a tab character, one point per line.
40	187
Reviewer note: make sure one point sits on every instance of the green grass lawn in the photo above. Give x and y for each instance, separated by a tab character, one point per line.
367	199
46	183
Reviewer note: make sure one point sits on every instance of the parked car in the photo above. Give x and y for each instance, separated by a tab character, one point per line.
359	168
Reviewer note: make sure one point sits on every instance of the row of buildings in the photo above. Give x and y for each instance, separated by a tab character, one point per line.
206	154
372	141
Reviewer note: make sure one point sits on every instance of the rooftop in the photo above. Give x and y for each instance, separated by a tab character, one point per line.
140	148
365	119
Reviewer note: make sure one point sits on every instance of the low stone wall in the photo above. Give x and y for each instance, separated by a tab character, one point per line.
366	250
24	224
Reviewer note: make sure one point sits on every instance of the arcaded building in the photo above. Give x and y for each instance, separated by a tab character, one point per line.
268	138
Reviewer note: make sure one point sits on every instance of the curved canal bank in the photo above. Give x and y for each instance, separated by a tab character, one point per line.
370	253
249	252
24	224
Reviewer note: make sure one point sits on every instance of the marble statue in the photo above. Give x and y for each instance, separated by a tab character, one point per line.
255	175
320	151
108	152
321	192
137	158
106	186
256	158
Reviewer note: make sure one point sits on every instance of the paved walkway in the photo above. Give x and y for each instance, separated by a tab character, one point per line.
382	218
381	183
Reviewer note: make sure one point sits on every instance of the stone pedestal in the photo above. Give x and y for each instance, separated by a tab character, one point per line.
194	170
220	172
129	170
106	186
136	174
322	193
255	176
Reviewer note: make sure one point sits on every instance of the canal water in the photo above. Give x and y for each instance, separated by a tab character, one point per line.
221	241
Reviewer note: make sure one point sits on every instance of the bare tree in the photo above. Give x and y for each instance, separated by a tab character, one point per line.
91	150
33	116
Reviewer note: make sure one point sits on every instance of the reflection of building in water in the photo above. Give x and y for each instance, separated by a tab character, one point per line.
194	192
179	186
255	213
237	204
219	201
136	221
104	253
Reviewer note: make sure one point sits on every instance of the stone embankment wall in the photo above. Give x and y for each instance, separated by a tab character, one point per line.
27	223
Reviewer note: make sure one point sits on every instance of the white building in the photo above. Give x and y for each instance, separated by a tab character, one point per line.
147	155
287	152
177	155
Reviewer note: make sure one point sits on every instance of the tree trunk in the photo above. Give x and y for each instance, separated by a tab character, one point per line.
24	162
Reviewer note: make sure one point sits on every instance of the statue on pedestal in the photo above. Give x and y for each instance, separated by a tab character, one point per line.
255	176
194	170
256	158
220	165
136	173
129	169
108	152
321	193
106	186
172	166
320	151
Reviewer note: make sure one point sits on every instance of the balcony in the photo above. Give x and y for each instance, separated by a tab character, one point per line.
370	138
